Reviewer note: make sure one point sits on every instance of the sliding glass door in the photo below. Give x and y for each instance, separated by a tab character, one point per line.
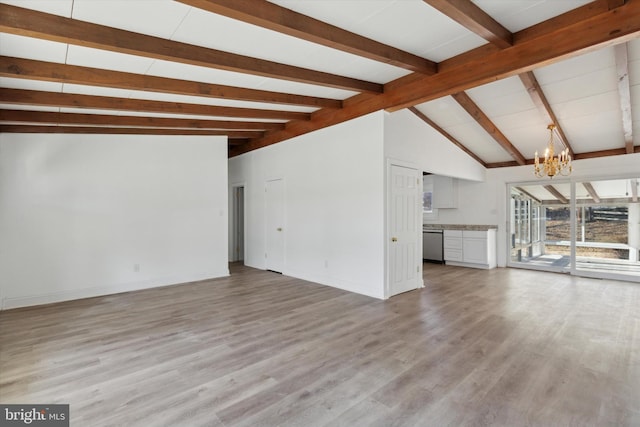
540	229
589	228
607	227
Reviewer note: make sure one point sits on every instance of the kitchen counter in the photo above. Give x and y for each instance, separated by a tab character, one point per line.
466	245
464	227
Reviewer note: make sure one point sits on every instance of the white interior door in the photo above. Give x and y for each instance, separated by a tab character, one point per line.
274	223
405	230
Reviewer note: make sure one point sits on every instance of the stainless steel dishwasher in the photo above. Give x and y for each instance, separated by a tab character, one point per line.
432	246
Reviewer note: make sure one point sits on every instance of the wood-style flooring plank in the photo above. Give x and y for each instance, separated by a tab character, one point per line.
474	347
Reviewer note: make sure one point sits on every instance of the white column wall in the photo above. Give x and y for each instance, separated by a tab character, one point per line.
87	215
334	208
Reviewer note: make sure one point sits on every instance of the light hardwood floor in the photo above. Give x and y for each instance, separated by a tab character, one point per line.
502	347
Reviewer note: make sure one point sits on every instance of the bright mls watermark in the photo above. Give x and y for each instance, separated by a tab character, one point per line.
34	415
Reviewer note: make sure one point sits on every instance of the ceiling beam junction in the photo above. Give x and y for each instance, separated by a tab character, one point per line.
474	19
576	32
483	120
615	3
444	133
591	191
544	107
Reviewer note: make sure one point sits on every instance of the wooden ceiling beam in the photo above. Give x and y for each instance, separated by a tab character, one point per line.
582	13
49	117
615	3
237	141
31	23
544	107
587	202
126	131
483	120
54	72
444	133
276	18
531	196
72	100
475	20
579	156
581	30
624	94
592	192
600	153
533	48
555	193
508	164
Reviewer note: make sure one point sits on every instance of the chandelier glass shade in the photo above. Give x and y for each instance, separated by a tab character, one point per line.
553	165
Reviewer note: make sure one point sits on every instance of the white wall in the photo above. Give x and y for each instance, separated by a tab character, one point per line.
334	191
478	203
409	139
79	214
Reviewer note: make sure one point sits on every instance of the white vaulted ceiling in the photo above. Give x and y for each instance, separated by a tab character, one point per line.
581	88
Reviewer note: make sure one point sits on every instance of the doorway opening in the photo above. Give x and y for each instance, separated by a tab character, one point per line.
237	224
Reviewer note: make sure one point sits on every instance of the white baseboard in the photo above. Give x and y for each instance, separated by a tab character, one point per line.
74	294
345	285
470	265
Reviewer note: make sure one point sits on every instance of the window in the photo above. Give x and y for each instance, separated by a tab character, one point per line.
427	201
429	211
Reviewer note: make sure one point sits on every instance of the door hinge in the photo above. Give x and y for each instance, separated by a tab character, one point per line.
265	254
418	269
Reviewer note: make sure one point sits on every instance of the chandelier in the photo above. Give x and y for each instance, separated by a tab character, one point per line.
553	165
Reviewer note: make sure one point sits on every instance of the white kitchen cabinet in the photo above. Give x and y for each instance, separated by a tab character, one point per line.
452	245
445	192
470	248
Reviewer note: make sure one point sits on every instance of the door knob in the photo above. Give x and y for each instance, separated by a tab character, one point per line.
394	239
279	228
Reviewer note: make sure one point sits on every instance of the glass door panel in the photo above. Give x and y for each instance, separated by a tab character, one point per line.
541	226
604	215
608	227
557	236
